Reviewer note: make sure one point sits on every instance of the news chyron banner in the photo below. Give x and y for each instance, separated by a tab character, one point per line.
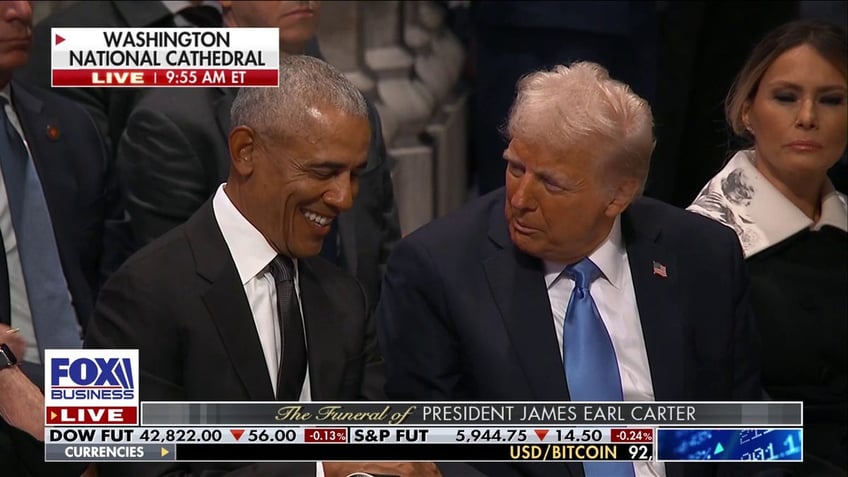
165	57
434	431
91	387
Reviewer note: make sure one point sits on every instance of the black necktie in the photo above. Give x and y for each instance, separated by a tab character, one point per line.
292	368
202	16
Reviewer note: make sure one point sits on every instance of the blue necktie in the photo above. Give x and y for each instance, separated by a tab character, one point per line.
591	368
53	317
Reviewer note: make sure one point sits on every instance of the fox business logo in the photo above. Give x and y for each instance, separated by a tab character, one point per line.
99	378
92	375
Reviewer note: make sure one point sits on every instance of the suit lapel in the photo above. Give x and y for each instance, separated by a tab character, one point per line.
49	156
518	287
324	347
517	282
656	299
227	304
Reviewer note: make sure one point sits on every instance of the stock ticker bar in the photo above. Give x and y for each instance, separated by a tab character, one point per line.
349	435
421	443
393	431
399	443
698	414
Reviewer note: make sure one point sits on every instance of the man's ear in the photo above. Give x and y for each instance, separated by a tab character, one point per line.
242	145
622	196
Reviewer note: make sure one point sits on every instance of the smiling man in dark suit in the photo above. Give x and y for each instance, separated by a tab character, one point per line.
234	305
566	285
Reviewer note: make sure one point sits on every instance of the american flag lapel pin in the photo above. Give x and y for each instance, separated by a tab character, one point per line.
659	269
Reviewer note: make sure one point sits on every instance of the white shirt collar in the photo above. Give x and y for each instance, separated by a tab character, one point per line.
834	210
607	257
763	216
250	250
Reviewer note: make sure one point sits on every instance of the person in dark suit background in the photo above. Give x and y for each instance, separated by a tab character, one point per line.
173	154
789	105
199	302
110	107
60	220
482	304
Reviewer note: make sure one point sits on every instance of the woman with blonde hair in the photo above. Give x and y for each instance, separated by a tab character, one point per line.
789	102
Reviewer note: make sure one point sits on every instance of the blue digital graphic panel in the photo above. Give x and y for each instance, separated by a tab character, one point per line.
729	444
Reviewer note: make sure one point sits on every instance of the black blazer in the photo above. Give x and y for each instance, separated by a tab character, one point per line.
181	303
174	155
465	315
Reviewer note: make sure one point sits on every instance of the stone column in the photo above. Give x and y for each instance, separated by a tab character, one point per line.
438	64
405	58
403	97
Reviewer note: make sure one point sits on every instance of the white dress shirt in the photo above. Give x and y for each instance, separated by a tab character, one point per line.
252	255
615	298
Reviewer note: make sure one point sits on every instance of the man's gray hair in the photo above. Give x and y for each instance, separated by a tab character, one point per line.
305	83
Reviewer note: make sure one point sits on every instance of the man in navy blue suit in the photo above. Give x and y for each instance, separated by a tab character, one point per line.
567	285
61	225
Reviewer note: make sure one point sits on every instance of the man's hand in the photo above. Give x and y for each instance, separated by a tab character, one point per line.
403	469
21	402
11	338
